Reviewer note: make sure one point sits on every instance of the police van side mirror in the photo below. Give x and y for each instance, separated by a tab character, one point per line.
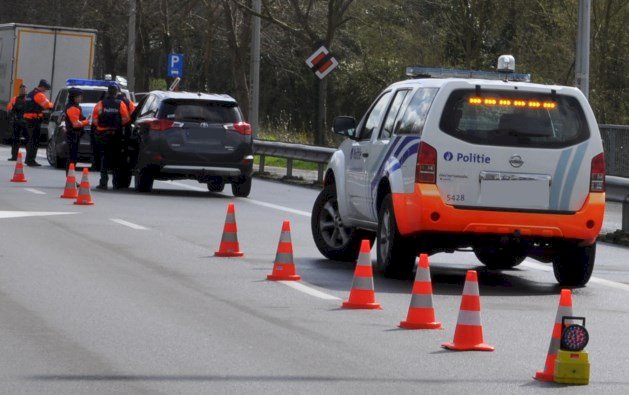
345	126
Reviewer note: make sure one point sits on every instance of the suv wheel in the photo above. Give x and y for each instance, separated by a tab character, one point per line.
144	180
51	154
499	257
396	254
216	185
332	238
573	266
242	187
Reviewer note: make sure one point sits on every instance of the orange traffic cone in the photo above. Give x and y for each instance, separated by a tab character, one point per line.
18	175
84	197
70	191
229	242
284	267
421	314
468	335
362	295
564	310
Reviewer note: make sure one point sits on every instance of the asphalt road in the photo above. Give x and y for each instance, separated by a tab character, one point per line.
126	297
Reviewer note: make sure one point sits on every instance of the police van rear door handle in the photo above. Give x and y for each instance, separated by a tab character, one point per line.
365	154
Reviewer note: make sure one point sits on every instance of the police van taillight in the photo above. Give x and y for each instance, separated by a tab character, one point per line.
426	168
597	174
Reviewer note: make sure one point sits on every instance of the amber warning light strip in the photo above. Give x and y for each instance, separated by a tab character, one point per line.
490	101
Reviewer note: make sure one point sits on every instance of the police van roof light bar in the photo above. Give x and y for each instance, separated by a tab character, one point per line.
438	72
86	82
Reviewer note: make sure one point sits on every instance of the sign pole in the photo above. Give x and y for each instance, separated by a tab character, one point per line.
131	46
582	64
254	103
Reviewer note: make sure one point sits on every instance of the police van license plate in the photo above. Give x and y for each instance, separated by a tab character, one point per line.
510	190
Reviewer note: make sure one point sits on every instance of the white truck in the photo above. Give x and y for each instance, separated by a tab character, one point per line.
29	53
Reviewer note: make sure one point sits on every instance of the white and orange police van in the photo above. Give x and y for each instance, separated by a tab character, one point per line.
485	161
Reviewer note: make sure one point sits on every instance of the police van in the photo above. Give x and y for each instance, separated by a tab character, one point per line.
483	161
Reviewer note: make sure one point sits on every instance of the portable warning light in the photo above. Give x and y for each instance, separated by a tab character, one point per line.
572	365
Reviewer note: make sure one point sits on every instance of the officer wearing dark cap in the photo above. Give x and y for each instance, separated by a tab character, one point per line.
74	124
35	104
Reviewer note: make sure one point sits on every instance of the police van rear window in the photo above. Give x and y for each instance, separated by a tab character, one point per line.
200	111
514	119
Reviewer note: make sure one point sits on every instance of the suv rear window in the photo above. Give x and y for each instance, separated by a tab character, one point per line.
200	111
517	119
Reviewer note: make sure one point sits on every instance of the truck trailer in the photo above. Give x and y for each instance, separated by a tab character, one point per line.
29	53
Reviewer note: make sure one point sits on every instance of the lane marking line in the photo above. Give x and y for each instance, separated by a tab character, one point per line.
309	291
593	279
256	202
128	224
186	186
35	191
277	207
20	214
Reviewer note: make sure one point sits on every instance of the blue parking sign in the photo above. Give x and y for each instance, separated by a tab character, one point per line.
175	65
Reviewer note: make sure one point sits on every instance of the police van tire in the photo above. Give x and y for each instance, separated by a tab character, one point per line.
144	180
574	264
499	258
396	254
242	187
333	240
51	155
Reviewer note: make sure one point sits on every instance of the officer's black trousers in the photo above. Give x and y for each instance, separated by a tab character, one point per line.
19	130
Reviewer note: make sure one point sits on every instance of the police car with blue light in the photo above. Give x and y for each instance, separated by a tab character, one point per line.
452	160
93	91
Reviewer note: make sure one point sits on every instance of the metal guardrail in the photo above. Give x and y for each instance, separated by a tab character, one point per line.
615	144
308	153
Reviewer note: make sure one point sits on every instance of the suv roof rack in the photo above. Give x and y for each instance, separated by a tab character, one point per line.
438	72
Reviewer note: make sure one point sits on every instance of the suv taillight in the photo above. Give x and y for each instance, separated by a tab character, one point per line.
597	174
241	127
426	168
160	125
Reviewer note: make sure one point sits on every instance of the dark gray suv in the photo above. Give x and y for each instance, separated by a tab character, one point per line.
182	135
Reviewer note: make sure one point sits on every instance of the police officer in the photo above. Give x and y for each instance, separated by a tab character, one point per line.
16	113
109	116
74	123
35	104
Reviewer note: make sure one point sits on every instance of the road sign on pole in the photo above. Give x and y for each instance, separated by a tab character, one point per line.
175	65
321	62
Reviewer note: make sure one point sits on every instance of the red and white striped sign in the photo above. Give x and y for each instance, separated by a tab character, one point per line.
321	62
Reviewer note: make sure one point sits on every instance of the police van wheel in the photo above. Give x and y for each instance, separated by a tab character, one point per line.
51	155
499	258
332	238
144	180
574	264
396	254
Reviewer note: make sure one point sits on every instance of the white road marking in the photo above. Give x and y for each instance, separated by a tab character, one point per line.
182	185
309	291
20	214
593	279
35	191
128	224
277	207
252	201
